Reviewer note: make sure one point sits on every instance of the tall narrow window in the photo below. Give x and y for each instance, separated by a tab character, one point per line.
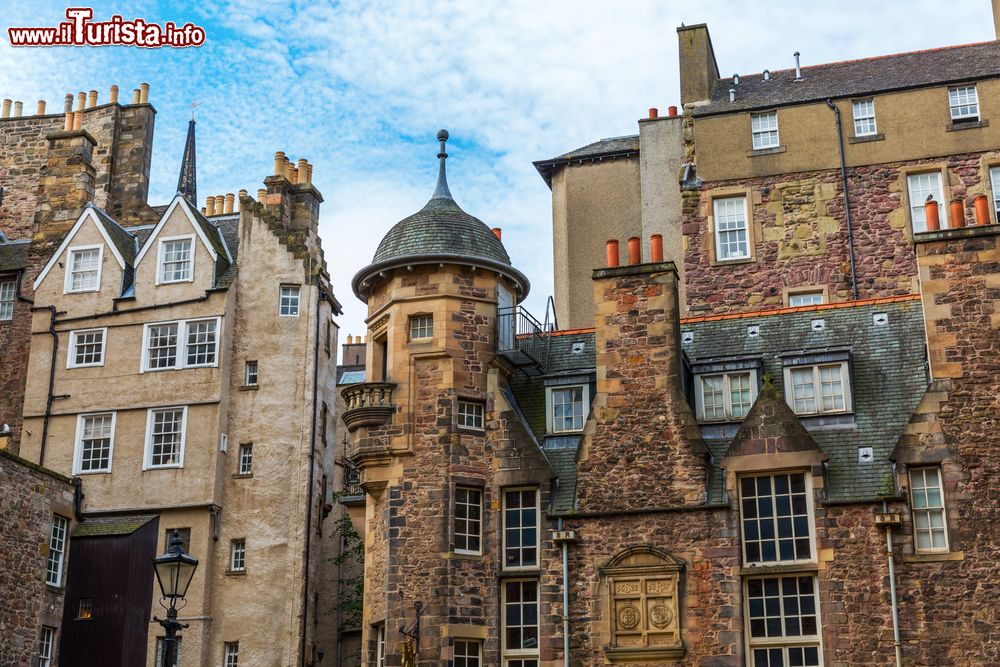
238	555
57	552
95	436
783	620
520	529
380	645
84	269
775	517
231	654
922	186
994	181
468	653
250	374
161	345
520	622
566	409
731	232
86	348
165	438
764	127
468	520
927	504
7	295
964	103
288	303
864	117
161	652
176	260
421	326
46	637
246	459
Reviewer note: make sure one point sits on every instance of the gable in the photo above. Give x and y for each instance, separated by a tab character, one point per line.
89	214
185	208
771	428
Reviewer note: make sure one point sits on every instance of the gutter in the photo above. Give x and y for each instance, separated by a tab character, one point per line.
847	199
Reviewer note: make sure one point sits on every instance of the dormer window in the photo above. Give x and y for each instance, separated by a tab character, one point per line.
725	397
176	260
84	270
818	383
566	412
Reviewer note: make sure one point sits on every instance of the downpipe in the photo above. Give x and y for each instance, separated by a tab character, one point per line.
892	591
565	592
847	199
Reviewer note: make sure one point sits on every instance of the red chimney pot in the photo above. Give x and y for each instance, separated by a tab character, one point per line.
612	253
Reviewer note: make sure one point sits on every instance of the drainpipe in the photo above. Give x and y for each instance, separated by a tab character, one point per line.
53	313
847	199
565	592
892	591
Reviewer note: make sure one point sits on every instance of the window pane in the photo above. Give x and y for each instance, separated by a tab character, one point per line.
567	409
162	346
95	443
84	269
520	615
88	348
520	529
7	299
927	504
731	228
775	519
864	117
764	128
289	300
57	548
176	261
201	343
803	391
167	433
782	607
470	414
246	459
421	326
468	512
832	388
467	653
922	186
964	103
713	403
805	299
739	393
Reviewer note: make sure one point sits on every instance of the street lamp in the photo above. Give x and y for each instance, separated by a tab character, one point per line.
174	571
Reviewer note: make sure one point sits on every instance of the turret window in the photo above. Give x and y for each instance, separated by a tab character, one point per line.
421	327
470	415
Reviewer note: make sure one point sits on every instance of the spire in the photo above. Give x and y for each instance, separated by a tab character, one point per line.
442	191
187	182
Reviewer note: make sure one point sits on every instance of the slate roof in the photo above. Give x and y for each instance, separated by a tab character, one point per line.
350	375
111	526
14	255
866	76
604	148
122	238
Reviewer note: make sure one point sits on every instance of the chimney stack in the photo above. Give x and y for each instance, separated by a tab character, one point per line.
698	69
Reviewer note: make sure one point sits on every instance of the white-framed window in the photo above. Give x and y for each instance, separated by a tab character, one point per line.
964	103
819	388
468	520
764	128
250	374
783	621
85	609
83	268
380	645
288	301
726	396
520	621
731	219
8	292
238	555
246	459
182	344
165	431
471	414
930	533
176	260
864	117
994	182
86	348
57	551
568	408
95	442
421	327
223	443
776	518
46	638
806	299
520	529
231	654
468	653
921	186
161	652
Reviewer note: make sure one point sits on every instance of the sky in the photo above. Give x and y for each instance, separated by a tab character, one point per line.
360	89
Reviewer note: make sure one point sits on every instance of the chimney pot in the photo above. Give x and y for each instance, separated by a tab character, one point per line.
143	93
113	96
209	206
612	253
230	198
634	251
671	111
736	79
309	173
220	204
78	120
68	103
767	75
931	215
5	109
135	95
279	163
497	232
654	112
81	101
68	124
261	193
40	109
92	99
957	213
982	206
350	339
18	108
656	248
732	94
798	70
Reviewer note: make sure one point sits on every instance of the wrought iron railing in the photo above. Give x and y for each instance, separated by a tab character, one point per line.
352	482
519	333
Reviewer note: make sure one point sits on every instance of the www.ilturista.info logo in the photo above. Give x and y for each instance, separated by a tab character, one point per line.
79	30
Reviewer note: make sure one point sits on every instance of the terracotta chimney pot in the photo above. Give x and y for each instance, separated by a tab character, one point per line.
309	173
18	108
81	101
671	111
261	193
220	204
40	109
209	206
957	213
78	120
634	251
656	248
113	96
612	253
5	109
92	99
135	95
68	124
143	93
498	232
931	215
654	112
279	163
982	206
230	199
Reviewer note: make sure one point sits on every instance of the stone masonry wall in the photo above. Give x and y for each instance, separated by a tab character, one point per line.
30	497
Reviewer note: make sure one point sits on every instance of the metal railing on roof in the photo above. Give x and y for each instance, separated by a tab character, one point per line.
522	339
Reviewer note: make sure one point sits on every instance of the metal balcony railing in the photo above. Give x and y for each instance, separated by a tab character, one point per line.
522	339
352	482
368	404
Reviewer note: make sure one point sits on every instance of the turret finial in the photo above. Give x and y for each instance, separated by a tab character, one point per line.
442	191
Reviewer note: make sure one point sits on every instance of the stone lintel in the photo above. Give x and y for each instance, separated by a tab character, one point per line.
635	270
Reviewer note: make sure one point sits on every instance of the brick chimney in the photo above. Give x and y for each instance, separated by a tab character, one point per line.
353	353
698	69
65	186
132	159
291	194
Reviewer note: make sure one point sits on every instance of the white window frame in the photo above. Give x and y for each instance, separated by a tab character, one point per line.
717	232
477	643
180	360
916	202
147	459
845	379
758	133
943	509
231	654
223	443
995	188
249	375
727	397
78	451
538	530
70	261
246	457
380	645
479	520
862	115
238	555
161	649
811	295
8	296
420	327
550	419
957	102
477	415
46	640
161	264
297	290
519	653
71	352
783	641
810	511
58	540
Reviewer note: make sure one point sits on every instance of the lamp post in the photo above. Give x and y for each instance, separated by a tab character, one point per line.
174	571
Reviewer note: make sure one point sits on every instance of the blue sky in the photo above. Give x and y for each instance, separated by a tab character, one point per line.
360	89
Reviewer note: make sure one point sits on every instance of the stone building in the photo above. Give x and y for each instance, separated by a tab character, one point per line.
181	367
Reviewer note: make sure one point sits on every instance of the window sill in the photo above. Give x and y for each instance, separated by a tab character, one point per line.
458	555
778	568
249	387
932	557
766	151
727	262
59	590
236	573
520	574
831	421
865	138
623	654
471	430
242	476
968	125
